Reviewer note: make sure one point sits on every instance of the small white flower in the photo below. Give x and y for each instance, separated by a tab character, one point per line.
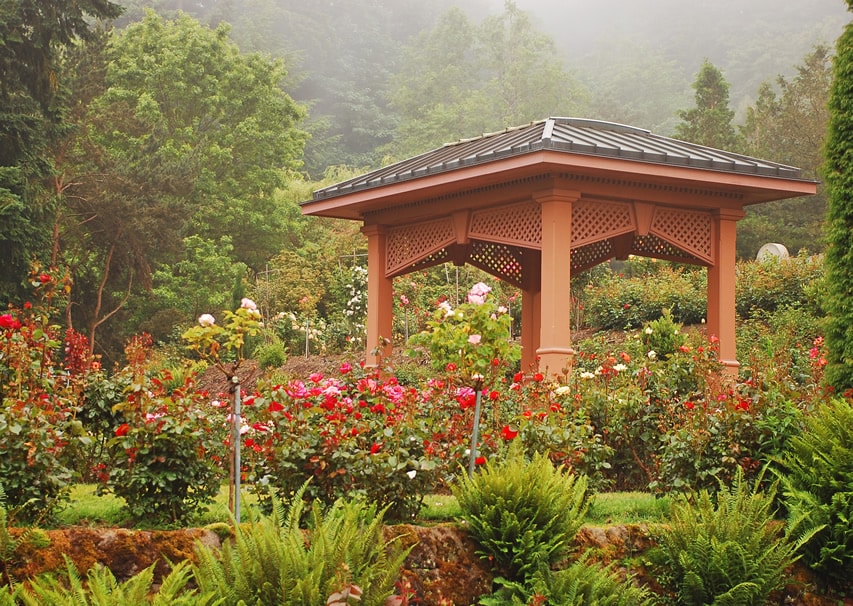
587	375
652	354
502	309
247	303
620	367
412	473
206	320
562	390
649	330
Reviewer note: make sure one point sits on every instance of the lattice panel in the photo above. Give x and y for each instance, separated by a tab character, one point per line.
688	230
411	243
519	224
594	220
436	258
585	257
498	260
652	246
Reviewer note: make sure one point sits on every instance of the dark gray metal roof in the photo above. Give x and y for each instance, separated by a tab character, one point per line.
571	135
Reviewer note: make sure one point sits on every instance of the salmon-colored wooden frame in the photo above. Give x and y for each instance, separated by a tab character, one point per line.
536	219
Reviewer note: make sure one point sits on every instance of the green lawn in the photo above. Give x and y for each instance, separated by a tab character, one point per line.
88	508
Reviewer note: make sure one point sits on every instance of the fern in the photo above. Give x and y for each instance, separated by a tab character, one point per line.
581	584
524	515
817	478
728	551
272	560
101	588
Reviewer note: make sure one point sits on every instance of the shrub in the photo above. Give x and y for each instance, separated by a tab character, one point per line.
358	435
270	355
773	284
523	514
728	552
38	404
817	475
165	455
273	561
101	587
580	584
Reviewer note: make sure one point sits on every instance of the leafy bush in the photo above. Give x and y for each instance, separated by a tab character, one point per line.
101	587
165	456
271	355
728	552
358	435
818	482
618	303
772	284
580	584
523	514
273	561
38	405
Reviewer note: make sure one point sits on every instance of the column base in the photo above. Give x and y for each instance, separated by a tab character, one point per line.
555	361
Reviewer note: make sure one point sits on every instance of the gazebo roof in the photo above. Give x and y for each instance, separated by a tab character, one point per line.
583	146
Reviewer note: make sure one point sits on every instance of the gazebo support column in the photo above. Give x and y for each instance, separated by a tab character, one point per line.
721	287
380	308
530	322
555	351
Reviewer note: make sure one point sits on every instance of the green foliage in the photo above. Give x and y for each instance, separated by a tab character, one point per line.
663	336
38	403
710	122
773	284
274	561
817	476
580	584
461	79
100	588
164	456
270	355
523	514
618	302
730	551
837	172
473	338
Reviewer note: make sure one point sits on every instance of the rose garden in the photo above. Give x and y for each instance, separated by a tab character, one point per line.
752	471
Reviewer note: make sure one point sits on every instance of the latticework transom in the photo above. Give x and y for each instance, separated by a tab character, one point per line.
585	257
594	220
652	246
436	258
689	230
498	260
519	224
411	243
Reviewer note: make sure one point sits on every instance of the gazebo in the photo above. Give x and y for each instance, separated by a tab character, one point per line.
536	204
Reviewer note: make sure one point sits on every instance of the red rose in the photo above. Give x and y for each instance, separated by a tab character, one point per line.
480	461
122	430
275	406
538	377
9	321
375	448
507	433
44	278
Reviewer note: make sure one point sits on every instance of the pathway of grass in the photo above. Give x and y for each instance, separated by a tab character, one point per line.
88	508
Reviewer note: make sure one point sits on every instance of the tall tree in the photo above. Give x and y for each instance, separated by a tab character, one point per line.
33	35
790	127
189	136
838	173
711	121
460	80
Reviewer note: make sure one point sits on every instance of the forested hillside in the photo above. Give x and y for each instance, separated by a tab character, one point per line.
154	160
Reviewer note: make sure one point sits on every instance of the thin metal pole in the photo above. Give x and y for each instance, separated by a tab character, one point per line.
236	445
475	434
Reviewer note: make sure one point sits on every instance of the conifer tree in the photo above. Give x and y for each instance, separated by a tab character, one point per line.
838	174
710	122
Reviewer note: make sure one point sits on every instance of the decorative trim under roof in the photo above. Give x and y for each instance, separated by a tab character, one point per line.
569	135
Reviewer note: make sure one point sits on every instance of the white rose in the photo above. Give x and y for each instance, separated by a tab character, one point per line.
206	320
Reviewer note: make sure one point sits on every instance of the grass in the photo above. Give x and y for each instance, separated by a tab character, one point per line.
88	508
